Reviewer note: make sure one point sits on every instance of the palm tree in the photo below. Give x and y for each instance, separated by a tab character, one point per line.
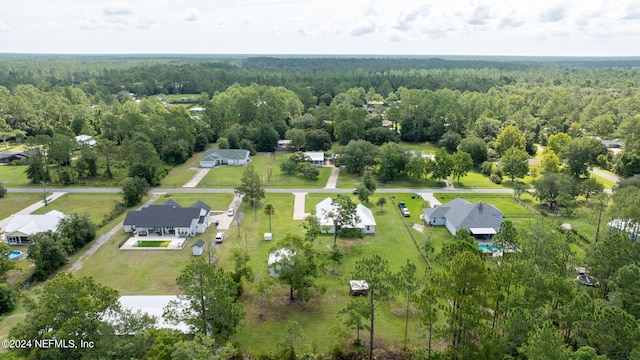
269	210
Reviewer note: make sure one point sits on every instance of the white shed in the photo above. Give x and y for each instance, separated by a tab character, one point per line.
198	247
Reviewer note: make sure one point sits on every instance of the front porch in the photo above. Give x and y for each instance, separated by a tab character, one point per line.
162	232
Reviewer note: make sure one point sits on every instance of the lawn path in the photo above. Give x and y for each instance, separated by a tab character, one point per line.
298	206
332	182
195	180
97	243
428	197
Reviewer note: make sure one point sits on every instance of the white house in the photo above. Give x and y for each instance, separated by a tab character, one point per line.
215	157
21	227
366	222
85	140
153	305
277	256
317	157
168	219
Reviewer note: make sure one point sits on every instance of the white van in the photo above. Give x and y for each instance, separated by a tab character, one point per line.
219	237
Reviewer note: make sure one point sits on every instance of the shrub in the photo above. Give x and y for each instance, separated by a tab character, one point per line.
486	167
8	298
495	179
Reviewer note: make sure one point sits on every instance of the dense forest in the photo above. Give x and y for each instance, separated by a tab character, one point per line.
478	112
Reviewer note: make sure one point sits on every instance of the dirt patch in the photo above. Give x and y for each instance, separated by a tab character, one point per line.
419	227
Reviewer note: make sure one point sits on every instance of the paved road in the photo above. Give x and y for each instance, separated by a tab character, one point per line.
267	189
604	175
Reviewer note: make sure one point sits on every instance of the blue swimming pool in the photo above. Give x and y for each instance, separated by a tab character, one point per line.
14	255
489	248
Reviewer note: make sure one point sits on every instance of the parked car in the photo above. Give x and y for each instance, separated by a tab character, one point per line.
405	212
355	191
219	237
402	205
230	212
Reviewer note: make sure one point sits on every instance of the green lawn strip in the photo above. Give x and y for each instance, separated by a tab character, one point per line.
153	244
475	180
346	180
417	147
182	173
14	176
14	202
182	97
608	184
94	205
280	179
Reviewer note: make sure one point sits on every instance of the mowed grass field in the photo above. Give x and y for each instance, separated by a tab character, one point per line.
182	173
154	272
268	167
15	202
95	205
14	176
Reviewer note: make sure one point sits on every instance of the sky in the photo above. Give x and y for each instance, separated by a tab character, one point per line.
323	27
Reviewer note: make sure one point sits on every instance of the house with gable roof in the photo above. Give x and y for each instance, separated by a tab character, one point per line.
216	157
21	228
481	219
366	222
169	219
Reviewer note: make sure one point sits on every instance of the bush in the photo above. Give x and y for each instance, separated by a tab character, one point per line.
486	167
350	233
495	179
8	298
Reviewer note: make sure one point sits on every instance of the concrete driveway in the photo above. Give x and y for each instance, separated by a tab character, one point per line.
225	221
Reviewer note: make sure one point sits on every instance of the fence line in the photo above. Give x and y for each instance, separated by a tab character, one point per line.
409	227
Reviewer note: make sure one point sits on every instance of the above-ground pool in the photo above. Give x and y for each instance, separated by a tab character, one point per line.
15	255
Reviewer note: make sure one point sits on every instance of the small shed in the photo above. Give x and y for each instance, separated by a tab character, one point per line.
358	287
198	247
268	236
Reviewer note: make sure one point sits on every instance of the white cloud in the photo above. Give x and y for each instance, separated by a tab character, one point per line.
407	18
554	14
4	28
193	15
117	8
362	28
510	22
480	16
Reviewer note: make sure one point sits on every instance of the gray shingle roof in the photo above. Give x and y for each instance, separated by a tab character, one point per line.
462	214
165	215
199	204
199	243
232	154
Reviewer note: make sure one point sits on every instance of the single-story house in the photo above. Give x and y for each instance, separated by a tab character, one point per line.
284	145
629	227
482	220
21	228
612	144
198	247
277	256
366	222
317	157
85	140
153	305
169	219
9	156
215	157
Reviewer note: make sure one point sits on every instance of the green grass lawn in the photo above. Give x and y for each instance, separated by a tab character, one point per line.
153	244
14	176
182	173
15	202
475	180
346	180
268	167
95	205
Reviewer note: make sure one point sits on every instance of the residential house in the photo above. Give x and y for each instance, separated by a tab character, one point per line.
168	220
366	222
216	157
317	157
153	305
277	256
21	228
284	145
85	140
482	220
9	156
